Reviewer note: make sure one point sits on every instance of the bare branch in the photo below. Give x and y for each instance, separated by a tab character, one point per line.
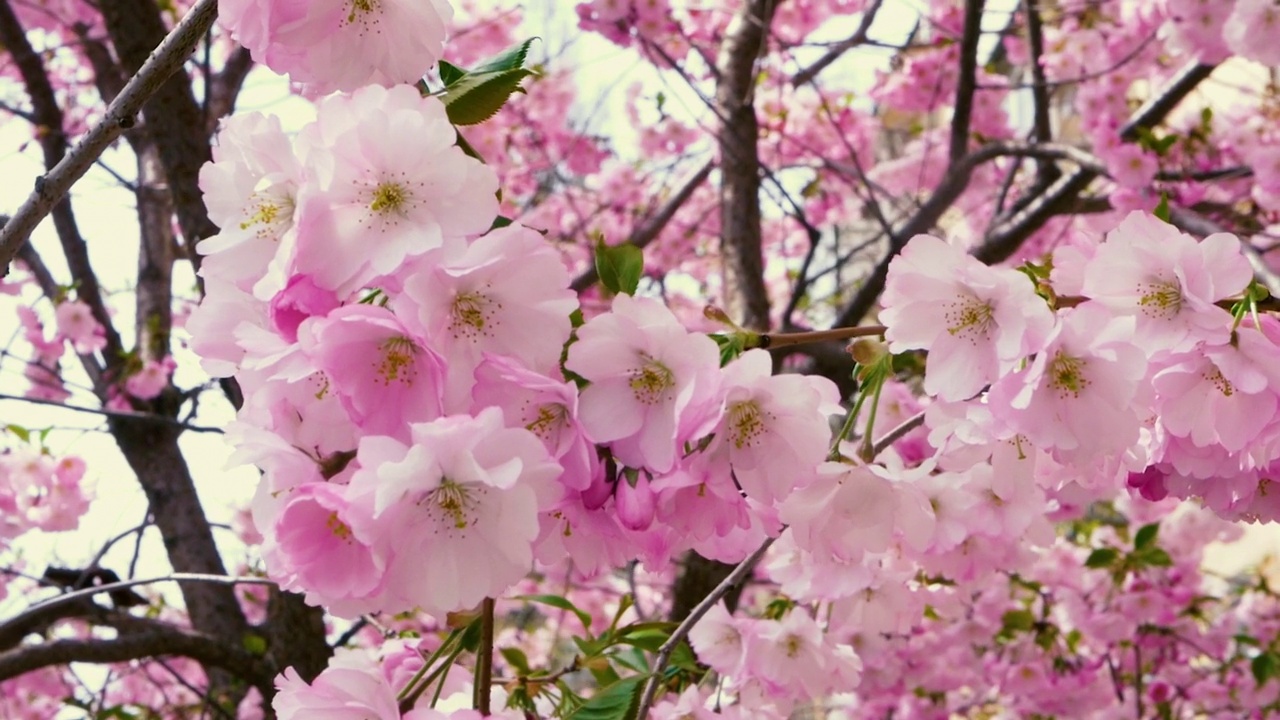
965	85
745	294
858	37
120	115
157	642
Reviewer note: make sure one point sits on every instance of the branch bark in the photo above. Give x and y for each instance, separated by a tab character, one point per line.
745	294
175	121
966	84
120	115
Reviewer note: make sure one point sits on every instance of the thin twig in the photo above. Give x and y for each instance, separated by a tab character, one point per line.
739	573
120	116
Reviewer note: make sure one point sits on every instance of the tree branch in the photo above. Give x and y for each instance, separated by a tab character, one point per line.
120	115
209	651
859	37
745	294
649	230
965	85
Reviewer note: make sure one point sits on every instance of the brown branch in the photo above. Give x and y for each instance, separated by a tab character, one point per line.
1031	214
53	144
225	86
745	296
963	113
858	37
174	120
120	115
649	230
208	650
1041	128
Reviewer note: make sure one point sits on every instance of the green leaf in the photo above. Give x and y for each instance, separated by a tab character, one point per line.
1153	556
450	73
478	94
556	601
645	635
516	658
731	346
255	644
1162	210
22	433
619	701
619	267
1264	667
1146	536
1102	557
1017	621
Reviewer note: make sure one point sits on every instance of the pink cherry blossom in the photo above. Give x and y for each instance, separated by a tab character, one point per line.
385	376
351	688
774	431
459	506
390	183
329	45
1077	398
977	322
651	381
506	293
78	326
1167	281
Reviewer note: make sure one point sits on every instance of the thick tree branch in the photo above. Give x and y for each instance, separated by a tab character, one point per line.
745	294
966	84
120	115
175	121
1042	129
225	88
208	650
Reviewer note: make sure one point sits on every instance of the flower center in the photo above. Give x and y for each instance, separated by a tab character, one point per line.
746	424
970	319
268	214
388	198
472	315
396	364
651	381
339	529
455	502
550	419
1066	375
1224	385
1160	298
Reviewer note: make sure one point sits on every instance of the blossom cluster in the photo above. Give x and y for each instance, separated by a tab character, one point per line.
434	416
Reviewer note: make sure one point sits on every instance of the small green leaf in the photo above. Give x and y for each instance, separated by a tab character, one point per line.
255	644
556	601
1146	536
1102	557
1017	621
1264	667
1162	210
619	267
450	73
1153	556
516	658
473	96
22	433
619	701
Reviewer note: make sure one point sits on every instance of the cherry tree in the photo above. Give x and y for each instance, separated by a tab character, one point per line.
874	361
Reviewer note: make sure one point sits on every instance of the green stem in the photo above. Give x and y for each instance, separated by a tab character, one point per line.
407	702
867	452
